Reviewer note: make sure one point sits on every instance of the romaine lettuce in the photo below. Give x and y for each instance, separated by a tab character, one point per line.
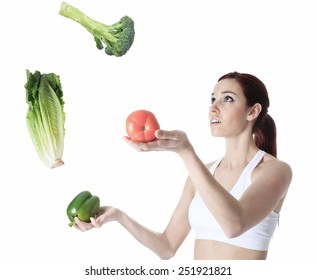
45	116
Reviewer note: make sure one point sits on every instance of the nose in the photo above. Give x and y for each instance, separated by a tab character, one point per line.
214	108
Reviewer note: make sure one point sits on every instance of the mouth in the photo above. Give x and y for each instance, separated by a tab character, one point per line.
215	121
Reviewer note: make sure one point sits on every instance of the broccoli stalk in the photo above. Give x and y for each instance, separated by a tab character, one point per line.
117	38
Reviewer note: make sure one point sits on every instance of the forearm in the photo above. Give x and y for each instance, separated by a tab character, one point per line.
224	207
155	241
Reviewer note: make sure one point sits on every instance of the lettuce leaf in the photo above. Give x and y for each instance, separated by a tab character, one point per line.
45	116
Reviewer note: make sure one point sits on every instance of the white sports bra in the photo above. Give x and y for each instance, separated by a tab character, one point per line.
206	226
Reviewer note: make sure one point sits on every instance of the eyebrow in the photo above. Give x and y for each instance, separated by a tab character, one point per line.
225	92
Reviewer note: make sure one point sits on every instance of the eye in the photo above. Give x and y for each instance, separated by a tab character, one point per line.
213	100
228	98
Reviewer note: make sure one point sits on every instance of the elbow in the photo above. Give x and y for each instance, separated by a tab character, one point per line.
168	254
234	230
166	250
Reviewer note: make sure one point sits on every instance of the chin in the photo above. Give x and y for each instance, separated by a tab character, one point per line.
216	134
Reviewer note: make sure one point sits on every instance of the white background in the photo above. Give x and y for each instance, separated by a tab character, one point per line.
180	50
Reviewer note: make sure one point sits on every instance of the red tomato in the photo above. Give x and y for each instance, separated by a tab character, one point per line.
141	126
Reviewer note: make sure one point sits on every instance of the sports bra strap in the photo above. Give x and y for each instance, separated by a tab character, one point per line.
254	161
250	166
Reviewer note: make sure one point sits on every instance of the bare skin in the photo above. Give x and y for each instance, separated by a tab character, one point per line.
270	182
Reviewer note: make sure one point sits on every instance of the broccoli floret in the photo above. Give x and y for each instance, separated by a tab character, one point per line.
116	38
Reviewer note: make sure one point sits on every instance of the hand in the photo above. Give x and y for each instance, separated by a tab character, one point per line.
174	141
105	214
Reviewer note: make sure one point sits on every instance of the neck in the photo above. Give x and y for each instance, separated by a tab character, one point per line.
239	152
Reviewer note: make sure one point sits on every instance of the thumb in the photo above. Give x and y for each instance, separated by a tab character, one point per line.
161	134
165	134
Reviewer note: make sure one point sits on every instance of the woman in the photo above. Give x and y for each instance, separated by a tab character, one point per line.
233	204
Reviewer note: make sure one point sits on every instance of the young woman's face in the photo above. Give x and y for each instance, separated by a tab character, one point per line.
228	110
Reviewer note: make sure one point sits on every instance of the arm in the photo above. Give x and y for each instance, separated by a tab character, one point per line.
163	244
269	187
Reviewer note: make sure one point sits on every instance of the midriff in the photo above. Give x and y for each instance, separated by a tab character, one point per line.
215	250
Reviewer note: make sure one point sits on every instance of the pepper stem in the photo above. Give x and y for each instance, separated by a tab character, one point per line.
72	223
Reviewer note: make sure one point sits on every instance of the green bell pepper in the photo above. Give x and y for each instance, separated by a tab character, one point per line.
83	206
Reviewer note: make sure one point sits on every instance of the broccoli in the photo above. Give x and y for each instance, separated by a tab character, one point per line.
116	38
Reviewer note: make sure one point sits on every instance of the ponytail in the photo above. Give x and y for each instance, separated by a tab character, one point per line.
264	133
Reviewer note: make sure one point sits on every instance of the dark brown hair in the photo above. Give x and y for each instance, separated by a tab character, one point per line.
264	130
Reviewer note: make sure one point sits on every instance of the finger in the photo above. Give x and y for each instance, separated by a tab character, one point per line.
139	146
78	224
79	227
94	222
136	145
126	138
165	134
82	226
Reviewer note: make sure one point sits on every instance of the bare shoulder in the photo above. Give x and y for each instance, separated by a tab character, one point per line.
271	163
274	170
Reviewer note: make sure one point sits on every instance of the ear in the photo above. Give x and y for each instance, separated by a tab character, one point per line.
254	112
